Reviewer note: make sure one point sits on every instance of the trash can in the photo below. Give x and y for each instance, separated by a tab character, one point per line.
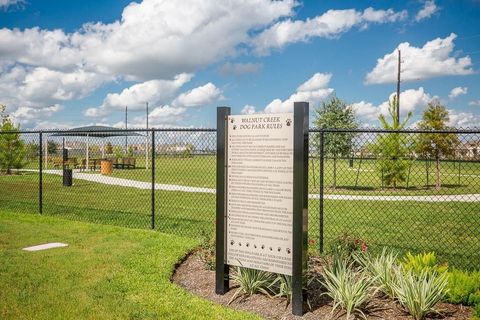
106	167
67	177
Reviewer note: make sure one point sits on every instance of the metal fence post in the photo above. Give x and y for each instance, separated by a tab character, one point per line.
300	205
221	267
40	177
153	178
321	204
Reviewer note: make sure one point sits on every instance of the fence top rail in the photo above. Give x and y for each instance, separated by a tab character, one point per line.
312	130
372	130
68	131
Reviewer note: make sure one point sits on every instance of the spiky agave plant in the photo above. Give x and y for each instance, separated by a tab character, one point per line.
419	293
349	289
251	281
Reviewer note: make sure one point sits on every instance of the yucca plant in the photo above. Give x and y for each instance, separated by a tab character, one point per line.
382	268
348	288
251	281
282	286
419	293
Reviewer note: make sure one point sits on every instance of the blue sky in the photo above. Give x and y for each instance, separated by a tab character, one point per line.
70	63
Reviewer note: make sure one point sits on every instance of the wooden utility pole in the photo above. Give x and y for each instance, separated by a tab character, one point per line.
146	139
398	85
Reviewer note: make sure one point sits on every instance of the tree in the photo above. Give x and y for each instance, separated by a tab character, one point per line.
32	151
12	149
109	148
436	145
52	147
335	114
392	148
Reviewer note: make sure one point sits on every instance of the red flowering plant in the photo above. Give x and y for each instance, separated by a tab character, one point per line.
347	245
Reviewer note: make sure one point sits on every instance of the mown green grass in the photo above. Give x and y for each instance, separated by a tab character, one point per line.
362	178
177	212
106	272
448	228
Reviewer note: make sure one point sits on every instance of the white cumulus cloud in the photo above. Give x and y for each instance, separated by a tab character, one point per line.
248	109
428	9
455	92
460	119
314	90
434	59
4	4
135	96
28	115
39	87
475	103
330	24
199	96
410	101
152	40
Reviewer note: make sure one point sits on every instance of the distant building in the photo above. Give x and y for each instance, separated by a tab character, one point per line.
469	150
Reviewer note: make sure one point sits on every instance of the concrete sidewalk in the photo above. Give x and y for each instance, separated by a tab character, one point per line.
93	177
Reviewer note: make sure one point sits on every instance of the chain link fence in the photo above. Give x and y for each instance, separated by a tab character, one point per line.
410	190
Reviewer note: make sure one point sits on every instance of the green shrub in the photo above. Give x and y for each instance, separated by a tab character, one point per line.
347	245
419	293
251	281
350	289
464	287
422	263
382	269
476	312
207	250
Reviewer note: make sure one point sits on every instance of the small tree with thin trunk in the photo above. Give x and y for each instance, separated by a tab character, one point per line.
12	148
391	149
335	114
436	145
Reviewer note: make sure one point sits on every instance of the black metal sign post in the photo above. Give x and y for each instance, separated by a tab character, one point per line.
221	267
300	204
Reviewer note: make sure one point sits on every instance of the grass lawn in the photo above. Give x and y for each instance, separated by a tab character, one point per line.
177	212
448	228
362	178
106	273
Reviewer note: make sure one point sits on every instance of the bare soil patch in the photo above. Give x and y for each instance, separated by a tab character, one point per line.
192	275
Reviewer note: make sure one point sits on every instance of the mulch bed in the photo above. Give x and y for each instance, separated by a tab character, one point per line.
192	275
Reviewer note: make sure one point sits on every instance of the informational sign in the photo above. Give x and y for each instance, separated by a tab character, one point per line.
259	191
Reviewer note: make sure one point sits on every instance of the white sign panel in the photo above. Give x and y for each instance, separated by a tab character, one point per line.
260	192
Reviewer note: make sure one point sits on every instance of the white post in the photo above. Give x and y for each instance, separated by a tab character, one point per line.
87	152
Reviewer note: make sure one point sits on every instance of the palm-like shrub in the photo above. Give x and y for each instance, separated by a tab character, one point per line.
419	293
251	281
350	289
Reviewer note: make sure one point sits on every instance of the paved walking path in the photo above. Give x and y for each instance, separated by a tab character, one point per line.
131	183
172	187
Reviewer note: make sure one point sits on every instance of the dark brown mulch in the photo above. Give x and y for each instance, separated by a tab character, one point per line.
192	276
